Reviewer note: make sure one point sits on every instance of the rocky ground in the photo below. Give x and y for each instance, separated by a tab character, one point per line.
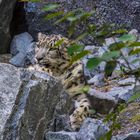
103	94
34	105
130	119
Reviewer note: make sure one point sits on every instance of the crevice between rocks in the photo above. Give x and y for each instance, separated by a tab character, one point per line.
18	24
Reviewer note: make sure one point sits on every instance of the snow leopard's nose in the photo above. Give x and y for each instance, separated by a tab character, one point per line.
40	53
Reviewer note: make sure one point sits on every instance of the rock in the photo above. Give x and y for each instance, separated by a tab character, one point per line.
116	88
62	135
107	96
97	80
89	74
101	102
23	50
93	49
131	136
6	8
92	129
127	81
61	122
35	99
108	42
122	12
9	87
132	60
125	89
121	93
94	52
129	119
19	42
107	11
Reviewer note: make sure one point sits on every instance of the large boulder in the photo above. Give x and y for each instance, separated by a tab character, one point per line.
131	136
91	129
62	135
29	102
6	13
9	87
23	50
102	102
123	12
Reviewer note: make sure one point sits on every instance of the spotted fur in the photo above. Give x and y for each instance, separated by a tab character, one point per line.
55	60
81	112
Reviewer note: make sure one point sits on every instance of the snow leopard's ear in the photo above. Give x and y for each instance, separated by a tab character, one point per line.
40	36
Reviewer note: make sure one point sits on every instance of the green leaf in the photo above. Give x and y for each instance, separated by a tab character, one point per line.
117	46
86	88
120	31
75	48
121	107
107	56
107	136
53	15
81	36
91	28
135	61
134	97
136	51
29	0
117	125
50	7
128	38
108	117
34	0
102	33
109	68
136	118
72	18
79	15
71	29
58	43
79	56
135	44
85	15
64	18
93	62
136	72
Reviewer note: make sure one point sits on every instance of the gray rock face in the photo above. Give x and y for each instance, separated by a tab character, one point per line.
119	89
92	129
30	100
97	80
131	136
62	135
61	122
9	88
23	50
120	12
6	12
102	102
106	101
107	11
